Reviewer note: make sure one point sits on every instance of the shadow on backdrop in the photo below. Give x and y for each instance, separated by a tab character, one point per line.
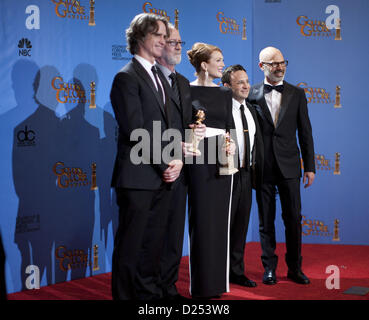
101	118
52	177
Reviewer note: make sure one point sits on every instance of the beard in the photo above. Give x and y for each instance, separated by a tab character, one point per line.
173	60
273	75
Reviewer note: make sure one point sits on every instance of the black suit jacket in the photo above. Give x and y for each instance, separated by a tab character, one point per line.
136	104
180	112
257	152
183	107
280	142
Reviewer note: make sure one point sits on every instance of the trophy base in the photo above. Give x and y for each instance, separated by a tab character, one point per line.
336	239
337	106
227	171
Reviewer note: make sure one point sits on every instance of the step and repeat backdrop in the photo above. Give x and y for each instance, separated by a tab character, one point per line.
58	133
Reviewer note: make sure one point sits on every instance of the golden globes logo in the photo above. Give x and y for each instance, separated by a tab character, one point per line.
148	8
96	259
93	95
68	177
317	28
68	92
91	21
337	103
315	95
324	164
70	9
230	25
336	230
314	228
321	163
337	161
71	259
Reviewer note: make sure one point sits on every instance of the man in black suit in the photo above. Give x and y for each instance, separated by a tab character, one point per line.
142	179
181	116
282	111
249	145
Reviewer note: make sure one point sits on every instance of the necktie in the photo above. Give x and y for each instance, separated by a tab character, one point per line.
155	72
247	139
268	88
173	77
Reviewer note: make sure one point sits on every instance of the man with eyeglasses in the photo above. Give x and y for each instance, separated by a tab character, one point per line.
282	111
180	108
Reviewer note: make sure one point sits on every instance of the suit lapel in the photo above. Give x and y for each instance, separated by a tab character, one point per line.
259	97
286	98
140	70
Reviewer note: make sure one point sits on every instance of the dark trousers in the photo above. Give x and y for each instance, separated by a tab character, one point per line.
289	194
138	243
173	244
2	272
240	216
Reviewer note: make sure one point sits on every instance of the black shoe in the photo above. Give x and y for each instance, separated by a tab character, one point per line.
242	281
269	277
298	277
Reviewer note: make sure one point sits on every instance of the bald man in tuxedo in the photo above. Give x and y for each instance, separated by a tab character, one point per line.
282	112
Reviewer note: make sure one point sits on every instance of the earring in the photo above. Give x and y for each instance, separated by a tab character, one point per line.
206	75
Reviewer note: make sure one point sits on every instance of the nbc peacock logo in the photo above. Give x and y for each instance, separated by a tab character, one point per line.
25	47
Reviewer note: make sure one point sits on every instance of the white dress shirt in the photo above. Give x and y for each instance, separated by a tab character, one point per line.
147	66
239	129
166	72
273	100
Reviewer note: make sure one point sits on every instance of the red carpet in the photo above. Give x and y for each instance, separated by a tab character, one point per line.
352	262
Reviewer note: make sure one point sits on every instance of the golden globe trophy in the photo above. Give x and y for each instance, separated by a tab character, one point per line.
195	140
337	163
244	37
93	95
338	30
336	229
176	18
96	258
337	104
91	22
226	160
93	177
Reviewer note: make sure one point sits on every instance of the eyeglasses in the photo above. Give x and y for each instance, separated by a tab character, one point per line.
174	43
276	64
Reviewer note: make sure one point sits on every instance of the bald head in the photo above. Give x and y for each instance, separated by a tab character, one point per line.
270	54
267	57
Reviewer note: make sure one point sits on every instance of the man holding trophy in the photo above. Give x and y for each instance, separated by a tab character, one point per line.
180	108
249	146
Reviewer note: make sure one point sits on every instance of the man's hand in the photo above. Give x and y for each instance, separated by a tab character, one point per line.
173	171
310	176
200	130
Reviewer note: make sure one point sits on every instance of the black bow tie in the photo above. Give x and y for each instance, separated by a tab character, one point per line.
268	88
